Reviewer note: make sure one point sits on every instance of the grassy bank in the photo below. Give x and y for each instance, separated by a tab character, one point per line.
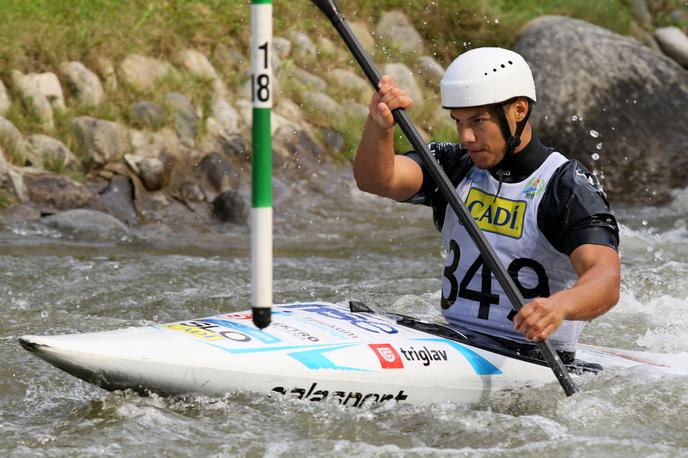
37	35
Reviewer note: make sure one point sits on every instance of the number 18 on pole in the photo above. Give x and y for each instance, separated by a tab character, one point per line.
261	187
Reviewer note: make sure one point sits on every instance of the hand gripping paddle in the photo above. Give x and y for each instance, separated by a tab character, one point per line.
331	10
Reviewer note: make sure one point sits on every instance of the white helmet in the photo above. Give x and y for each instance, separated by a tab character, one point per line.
486	76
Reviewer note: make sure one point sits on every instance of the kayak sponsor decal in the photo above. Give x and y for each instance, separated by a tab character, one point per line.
388	356
248	330
207	331
238	316
344	397
212	329
424	355
497	214
311	357
331	328
314	359
296	332
480	365
360	320
249	315
534	187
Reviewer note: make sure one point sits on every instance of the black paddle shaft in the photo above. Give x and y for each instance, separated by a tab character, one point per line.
331	10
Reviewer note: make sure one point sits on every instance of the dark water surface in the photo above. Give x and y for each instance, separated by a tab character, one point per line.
333	249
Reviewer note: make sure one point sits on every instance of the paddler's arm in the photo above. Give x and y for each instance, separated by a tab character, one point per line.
596	292
377	169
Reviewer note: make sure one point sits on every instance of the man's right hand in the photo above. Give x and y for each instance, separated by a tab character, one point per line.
388	97
377	169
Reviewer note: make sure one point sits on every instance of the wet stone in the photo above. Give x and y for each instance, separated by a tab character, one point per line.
82	83
217	171
13	144
396	29
332	139
152	172
231	207
281	46
191	192
99	140
674	43
52	152
18	214
56	192
87	224
117	199
147	114
622	90
234	146
186	118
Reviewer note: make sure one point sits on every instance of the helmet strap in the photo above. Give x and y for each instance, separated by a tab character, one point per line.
512	141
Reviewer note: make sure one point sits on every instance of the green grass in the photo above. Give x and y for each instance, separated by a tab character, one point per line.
37	35
11	149
6	199
350	128
117	107
450	26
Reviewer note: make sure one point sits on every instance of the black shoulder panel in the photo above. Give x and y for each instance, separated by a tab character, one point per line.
574	210
456	164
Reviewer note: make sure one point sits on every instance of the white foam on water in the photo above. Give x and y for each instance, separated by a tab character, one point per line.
634	238
680	201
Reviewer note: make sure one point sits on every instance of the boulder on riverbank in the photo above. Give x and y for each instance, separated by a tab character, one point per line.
87	225
614	104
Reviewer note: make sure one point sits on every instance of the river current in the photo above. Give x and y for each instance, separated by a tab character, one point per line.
338	247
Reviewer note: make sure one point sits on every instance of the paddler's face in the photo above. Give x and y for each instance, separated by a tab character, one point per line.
480	133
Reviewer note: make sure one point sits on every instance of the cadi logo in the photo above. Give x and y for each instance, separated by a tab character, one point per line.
388	356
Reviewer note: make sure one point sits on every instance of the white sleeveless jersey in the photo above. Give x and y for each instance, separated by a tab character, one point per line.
471	295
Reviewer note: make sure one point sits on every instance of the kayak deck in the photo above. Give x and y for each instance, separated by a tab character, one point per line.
316	351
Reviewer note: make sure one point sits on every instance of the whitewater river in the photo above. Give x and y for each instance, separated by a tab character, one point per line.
335	248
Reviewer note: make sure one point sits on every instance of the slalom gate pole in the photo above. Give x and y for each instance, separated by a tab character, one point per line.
261	184
331	9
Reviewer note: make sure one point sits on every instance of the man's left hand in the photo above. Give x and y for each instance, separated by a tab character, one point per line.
539	318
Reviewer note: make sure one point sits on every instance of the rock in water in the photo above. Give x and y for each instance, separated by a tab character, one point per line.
87	224
230	207
118	200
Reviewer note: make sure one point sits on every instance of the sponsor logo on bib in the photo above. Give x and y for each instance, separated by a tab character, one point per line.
497	214
388	356
534	187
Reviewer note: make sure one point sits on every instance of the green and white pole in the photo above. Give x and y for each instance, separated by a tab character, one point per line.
261	211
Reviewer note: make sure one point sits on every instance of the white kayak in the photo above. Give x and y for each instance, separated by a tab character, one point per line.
316	351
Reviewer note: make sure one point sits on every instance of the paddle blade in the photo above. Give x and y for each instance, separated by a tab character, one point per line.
261	317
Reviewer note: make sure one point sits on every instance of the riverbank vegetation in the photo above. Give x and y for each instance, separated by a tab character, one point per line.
38	35
42	33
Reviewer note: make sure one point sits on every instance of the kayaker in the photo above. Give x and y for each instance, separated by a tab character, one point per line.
546	217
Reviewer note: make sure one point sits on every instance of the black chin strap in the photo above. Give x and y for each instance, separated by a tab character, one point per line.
512	141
